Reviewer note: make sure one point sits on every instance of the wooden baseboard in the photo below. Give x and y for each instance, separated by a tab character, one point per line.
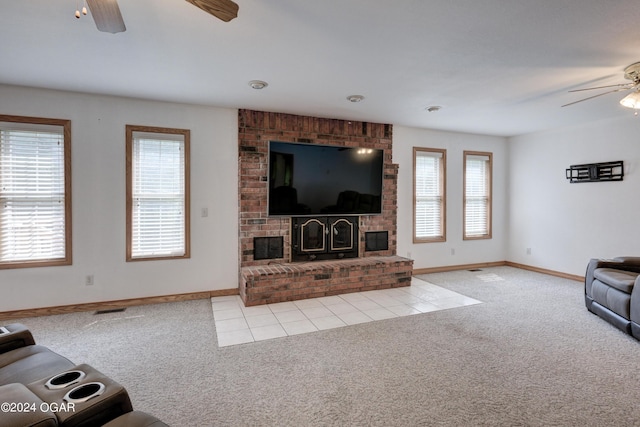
110	305
545	271
497	264
430	270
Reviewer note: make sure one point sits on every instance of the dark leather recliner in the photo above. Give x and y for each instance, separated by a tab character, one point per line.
612	291
22	361
27	374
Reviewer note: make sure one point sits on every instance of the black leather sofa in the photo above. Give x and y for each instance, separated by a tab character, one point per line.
612	291
39	387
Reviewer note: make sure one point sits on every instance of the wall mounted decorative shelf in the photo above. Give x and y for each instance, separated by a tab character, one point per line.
596	172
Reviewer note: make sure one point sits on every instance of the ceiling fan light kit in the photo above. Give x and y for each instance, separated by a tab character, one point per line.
631	72
631	101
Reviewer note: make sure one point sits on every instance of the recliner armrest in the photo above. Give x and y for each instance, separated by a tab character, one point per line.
626	263
14	335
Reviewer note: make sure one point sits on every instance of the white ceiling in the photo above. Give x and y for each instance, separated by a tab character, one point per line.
497	67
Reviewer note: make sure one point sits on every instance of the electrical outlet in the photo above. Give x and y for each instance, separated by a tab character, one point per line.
453	251
528	251
88	281
204	212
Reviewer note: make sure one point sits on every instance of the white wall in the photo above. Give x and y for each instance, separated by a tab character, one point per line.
567	224
534	205
439	254
98	196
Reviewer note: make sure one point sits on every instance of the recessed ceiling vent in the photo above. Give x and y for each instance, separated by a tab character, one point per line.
258	84
355	98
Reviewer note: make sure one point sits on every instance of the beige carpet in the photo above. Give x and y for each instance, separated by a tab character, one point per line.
529	355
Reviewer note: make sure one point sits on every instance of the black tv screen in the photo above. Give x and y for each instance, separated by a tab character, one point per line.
313	179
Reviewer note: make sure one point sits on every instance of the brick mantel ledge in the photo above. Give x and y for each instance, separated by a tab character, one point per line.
279	282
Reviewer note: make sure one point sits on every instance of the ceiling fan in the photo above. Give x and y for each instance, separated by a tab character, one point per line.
108	18
632	72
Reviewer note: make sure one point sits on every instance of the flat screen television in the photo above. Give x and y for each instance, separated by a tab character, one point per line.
314	179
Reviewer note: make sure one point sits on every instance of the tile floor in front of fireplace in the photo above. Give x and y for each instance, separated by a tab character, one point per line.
237	324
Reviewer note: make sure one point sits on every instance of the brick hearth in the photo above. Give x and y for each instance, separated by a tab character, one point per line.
372	270
293	281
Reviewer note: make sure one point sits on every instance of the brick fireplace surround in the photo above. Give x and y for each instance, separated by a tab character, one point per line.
277	280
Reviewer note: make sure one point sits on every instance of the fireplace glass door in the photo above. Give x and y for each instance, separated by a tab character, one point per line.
324	238
312	236
342	235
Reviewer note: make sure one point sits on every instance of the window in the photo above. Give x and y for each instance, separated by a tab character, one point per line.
35	192
157	193
477	195
429	195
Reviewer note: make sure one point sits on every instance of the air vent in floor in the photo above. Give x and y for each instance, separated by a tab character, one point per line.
110	310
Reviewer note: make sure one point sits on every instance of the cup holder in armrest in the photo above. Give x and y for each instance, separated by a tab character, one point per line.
97	398
84	392
64	379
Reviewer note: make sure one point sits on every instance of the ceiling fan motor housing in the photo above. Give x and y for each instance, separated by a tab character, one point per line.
632	72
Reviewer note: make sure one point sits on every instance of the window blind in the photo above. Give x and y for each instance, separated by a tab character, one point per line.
158	192
477	195
32	193
428	195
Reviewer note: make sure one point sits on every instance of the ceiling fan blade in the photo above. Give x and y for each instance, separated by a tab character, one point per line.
595	96
107	16
222	9
623	85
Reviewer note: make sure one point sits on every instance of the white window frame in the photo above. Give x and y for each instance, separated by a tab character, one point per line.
429	195
143	246
477	198
35	213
